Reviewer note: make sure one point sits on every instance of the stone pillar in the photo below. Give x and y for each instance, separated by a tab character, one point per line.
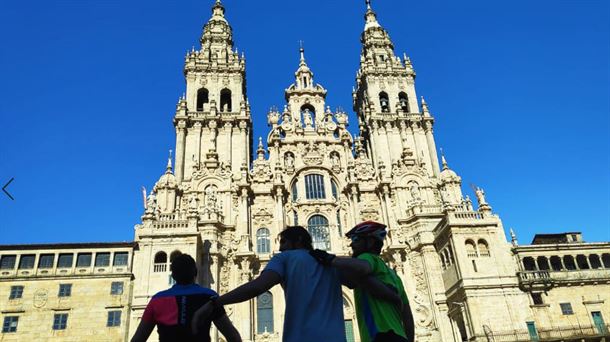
412	130
243	130
180	136
279	212
197	133
431	147
373	139
354	205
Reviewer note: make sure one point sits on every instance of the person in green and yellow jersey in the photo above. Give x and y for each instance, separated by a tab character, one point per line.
379	320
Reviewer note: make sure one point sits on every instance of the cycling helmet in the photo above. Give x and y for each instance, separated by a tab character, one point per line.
368	228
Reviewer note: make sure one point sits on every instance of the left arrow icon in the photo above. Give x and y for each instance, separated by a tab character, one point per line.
6	192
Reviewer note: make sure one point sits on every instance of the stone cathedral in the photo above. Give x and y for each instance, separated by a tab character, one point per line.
224	197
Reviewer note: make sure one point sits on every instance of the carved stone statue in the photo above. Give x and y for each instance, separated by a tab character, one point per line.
334	159
193	203
480	196
289	160
151	203
414	189
307	119
211	197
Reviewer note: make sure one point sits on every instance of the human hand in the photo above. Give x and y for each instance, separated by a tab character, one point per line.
322	257
200	315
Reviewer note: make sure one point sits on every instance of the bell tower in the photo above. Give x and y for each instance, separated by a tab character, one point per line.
214	111
385	101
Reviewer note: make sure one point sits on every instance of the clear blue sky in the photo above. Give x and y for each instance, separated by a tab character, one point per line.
519	89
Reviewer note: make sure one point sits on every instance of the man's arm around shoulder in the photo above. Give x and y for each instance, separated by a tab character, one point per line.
227	329
143	332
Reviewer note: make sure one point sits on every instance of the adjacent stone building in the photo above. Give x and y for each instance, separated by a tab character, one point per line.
466	281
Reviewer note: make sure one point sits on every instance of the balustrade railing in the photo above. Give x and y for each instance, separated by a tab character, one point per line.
160	267
565	333
564	275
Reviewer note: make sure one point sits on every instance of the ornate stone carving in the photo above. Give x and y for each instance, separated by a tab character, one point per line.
312	154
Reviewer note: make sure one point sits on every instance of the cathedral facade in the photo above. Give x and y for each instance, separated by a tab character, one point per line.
224	197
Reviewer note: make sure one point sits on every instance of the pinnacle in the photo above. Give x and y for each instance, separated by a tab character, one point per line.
444	161
169	162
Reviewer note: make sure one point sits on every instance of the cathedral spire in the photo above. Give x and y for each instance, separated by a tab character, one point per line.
218	10
169	168
370	17
444	161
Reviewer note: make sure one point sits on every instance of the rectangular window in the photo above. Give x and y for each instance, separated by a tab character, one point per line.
60	321
65	260
537	298
566	308
16	292
102	259
314	187
83	260
46	261
114	319
116	288
10	324
8	262
27	261
65	290
120	259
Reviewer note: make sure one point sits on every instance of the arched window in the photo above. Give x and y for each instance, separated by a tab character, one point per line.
594	261
471	250
160	262
403	99
529	264
174	255
581	261
483	248
384	101
543	263
202	98
225	101
606	260
333	188
314	187
568	261
318	228
263	244
556	263
264	313
308	113
295	192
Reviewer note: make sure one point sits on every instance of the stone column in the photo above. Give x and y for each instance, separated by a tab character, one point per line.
354	200
180	136
243	129
413	130
431	147
197	133
279	212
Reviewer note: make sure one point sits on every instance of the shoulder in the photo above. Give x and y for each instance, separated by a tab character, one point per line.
372	258
178	290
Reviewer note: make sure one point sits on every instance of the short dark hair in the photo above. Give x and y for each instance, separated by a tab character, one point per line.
184	269
297	234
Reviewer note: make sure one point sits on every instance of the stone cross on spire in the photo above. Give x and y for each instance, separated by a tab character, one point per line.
302	51
368	4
